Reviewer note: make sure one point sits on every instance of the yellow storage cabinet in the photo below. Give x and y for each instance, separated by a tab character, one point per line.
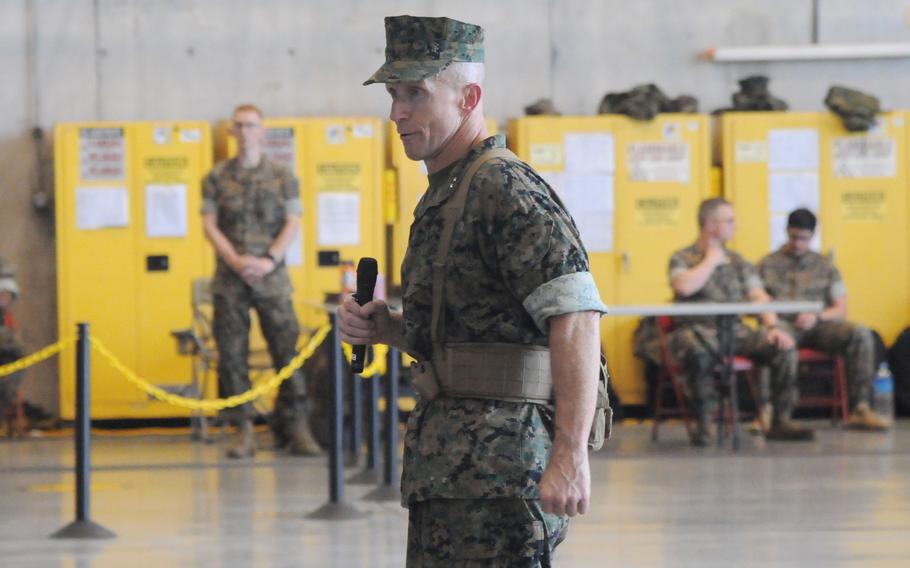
339	161
633	189
408	182
129	244
855	182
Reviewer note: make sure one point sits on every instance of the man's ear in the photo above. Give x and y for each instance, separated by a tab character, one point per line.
470	98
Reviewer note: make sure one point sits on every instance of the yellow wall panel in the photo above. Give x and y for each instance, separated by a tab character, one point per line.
131	287
862	203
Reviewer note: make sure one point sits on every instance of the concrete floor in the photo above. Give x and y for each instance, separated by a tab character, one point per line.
843	500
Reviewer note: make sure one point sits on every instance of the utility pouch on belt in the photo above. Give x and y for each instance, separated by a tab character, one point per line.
498	371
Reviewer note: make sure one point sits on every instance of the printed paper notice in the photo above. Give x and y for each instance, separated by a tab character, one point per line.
102	208
102	154
543	155
165	210
338	218
334	134
864	157
589	153
863	206
293	256
790	191
750	152
363	130
590	201
658	161
793	149
281	147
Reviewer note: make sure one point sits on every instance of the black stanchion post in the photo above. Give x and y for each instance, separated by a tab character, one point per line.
389	490
83	527
731	375
370	474
336	508
353	458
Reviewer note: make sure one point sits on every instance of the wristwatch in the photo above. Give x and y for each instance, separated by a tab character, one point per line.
269	256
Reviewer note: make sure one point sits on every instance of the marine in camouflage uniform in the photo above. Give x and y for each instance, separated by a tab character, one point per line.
516	260
251	205
10	348
725	276
695	344
794	273
472	466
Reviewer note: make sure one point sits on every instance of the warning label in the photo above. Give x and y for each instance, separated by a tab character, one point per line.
657	212
102	154
863	206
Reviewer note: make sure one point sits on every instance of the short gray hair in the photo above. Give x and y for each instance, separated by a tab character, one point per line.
460	74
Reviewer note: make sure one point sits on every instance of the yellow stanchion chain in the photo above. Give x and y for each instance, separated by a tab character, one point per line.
36	357
377	366
264	387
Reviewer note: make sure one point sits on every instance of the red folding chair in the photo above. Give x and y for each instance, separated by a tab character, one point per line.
670	378
819	366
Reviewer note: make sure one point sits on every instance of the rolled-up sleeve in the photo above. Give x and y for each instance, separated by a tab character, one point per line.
293	207
750	276
837	289
575	292
209	195
291	189
677	266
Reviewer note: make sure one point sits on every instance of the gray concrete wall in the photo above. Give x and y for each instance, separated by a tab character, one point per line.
186	59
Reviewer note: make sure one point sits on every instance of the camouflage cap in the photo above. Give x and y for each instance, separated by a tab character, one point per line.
418	47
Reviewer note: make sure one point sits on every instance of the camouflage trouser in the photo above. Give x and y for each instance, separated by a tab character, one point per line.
852	341
231	328
695	347
488	533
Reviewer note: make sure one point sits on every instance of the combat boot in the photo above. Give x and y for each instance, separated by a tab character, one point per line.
787	431
863	418
300	439
765	418
700	435
244	443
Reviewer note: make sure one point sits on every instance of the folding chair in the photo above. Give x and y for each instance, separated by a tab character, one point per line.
671	378
817	366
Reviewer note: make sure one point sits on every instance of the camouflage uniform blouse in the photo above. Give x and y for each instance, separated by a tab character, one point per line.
516	260
251	205
730	282
810	277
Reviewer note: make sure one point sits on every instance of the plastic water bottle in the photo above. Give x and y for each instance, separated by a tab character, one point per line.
883	392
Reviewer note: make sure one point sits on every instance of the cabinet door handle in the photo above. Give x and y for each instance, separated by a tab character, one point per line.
626	261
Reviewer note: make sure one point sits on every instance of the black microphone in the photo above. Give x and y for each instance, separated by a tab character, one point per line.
367	269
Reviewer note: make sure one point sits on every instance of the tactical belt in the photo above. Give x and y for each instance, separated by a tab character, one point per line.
500	371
